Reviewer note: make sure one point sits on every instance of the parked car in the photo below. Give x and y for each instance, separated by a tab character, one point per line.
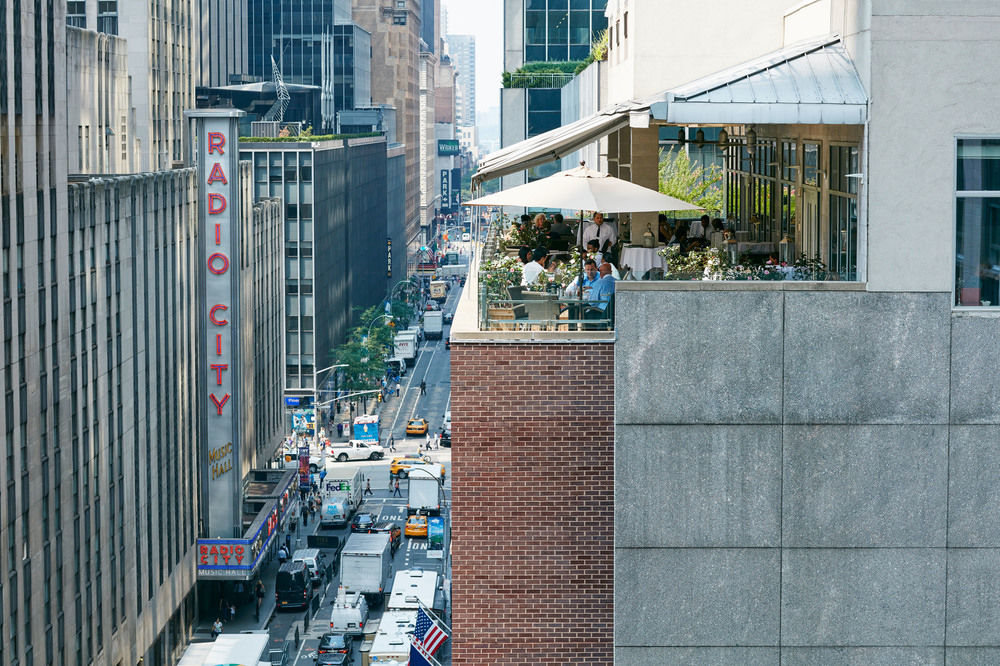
416	526
445	437
362	522
394	532
417	427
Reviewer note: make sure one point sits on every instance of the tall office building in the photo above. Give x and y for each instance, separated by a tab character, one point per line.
542	31
222	28
313	43
334	241
462	49
395	27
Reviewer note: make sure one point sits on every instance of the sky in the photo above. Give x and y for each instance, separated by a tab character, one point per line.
484	19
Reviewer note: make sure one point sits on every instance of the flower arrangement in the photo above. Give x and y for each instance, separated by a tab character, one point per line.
715	264
498	273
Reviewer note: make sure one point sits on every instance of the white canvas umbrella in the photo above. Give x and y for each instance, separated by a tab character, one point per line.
584	189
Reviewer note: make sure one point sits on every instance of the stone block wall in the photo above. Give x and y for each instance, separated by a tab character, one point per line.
532	454
809	477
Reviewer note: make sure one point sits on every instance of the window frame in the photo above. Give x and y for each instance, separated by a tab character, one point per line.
966	194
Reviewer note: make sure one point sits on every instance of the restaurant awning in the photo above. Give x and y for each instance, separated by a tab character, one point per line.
554	144
811	82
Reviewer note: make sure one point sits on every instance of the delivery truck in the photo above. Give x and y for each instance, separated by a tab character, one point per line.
424	492
405	347
439	290
336	511
433	324
351	482
365	566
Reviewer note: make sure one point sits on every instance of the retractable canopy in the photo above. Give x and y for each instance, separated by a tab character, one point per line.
812	82
554	144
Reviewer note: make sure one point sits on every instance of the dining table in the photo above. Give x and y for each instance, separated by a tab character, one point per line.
640	259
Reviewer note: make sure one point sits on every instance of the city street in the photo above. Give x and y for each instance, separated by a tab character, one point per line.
432	367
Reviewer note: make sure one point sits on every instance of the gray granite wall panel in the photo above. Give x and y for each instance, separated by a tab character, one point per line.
973	597
690	486
974	487
975	358
716	596
862	597
864	486
835	463
858	357
699	358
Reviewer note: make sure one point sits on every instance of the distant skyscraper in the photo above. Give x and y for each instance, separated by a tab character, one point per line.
313	43
542	31
223	41
462	49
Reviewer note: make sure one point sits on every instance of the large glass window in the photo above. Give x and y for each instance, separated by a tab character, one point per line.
843	185
977	223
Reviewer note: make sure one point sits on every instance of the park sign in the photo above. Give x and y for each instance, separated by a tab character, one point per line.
215	149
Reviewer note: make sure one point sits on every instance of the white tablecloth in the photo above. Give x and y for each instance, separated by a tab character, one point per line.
757	248
641	259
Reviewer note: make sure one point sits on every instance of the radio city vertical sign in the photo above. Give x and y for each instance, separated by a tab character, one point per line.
215	149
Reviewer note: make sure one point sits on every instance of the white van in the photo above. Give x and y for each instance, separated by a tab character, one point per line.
447	420
314	562
350	613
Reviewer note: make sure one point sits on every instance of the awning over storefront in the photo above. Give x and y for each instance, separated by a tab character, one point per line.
554	144
811	82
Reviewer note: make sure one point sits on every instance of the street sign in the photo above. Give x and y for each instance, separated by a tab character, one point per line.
292	402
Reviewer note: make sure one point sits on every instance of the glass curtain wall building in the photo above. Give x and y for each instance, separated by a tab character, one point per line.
313	43
553	31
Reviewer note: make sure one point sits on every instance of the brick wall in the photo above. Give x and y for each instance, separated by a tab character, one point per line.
533	502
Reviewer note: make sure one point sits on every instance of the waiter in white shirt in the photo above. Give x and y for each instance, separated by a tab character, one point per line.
605	233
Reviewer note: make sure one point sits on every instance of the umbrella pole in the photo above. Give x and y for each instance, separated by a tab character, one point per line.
579	277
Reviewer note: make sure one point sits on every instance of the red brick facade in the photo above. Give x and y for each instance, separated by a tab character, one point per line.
533	503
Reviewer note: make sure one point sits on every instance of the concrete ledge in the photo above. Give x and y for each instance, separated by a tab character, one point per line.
736	285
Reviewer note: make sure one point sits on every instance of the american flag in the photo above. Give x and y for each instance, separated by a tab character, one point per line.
428	633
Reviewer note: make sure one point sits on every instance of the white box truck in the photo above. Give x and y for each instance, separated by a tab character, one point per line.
365	565
433	324
350	613
423	495
351	482
439	290
405	347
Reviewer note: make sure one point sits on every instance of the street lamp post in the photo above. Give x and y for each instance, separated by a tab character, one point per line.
316	404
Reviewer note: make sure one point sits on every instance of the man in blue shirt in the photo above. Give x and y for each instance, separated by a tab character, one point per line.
603	288
589	278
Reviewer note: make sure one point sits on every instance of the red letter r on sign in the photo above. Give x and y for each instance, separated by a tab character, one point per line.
216	140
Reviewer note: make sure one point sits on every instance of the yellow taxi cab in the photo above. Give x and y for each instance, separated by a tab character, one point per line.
416	526
417	427
400	466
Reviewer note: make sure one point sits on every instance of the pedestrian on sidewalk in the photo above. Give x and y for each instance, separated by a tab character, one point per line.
232	612
368	487
423	387
259	592
395	492
428	446
216	628
305	515
282	555
392	442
